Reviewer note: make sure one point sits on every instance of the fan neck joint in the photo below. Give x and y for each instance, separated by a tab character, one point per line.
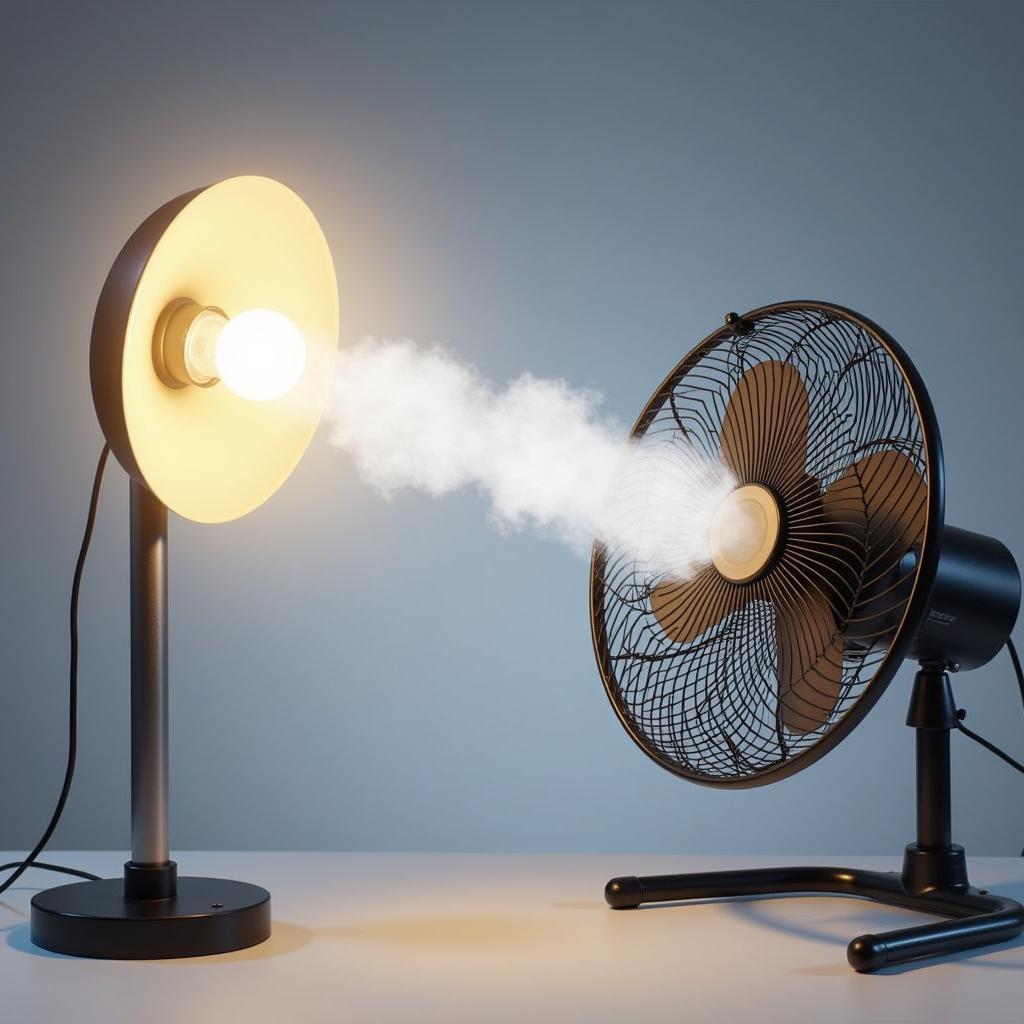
931	701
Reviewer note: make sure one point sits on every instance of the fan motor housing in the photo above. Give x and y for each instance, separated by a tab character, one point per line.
974	602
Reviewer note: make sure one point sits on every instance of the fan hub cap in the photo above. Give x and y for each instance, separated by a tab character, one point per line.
745	533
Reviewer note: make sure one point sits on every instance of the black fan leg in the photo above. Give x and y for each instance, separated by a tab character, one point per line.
979	918
870	952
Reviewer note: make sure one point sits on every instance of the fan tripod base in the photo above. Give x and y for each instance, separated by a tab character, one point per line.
979	918
934	877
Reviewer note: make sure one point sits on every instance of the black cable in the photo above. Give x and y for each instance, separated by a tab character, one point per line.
1016	668
987	744
991	747
88	875
69	772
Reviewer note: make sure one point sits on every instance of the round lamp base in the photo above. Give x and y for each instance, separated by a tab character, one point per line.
93	919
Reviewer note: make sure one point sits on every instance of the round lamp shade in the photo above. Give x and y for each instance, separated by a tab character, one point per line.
244	244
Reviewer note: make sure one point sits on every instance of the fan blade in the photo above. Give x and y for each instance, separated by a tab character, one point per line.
809	649
684	610
884	494
764	431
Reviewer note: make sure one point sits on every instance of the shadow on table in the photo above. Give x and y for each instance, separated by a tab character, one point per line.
14	911
475	933
284	938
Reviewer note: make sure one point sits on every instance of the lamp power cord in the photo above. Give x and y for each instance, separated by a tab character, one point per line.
18	868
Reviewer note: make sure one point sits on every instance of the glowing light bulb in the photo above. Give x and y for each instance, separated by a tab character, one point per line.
260	355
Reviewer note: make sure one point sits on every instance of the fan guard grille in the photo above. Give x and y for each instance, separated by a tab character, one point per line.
714	707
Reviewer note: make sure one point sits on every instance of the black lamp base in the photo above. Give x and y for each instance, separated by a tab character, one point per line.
206	916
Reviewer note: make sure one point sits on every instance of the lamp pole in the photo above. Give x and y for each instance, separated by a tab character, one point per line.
151	913
150	873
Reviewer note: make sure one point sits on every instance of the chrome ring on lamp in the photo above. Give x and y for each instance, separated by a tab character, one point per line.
184	344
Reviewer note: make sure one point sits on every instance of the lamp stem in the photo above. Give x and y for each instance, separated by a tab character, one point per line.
150	770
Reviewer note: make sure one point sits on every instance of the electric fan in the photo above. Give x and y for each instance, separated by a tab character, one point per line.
833	567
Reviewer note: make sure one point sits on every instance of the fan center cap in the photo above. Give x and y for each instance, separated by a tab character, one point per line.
745	532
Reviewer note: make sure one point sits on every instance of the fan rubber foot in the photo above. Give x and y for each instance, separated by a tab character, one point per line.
624	893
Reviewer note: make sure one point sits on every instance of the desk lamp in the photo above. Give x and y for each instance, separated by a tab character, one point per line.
828	565
211	357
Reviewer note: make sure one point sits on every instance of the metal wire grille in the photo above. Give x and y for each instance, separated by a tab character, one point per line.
763	671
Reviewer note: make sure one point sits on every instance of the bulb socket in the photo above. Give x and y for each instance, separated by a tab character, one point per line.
184	344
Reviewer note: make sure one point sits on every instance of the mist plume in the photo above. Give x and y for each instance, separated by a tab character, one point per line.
541	452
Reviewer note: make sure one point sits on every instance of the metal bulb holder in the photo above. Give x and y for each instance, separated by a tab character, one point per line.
233	277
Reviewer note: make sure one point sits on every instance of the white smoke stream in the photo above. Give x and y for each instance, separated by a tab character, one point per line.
539	450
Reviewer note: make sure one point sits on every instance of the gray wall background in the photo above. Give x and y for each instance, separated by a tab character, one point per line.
577	189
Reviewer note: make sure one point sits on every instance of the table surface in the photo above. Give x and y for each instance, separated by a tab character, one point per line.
510	937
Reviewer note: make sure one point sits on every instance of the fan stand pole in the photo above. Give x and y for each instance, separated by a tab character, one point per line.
934	876
934	862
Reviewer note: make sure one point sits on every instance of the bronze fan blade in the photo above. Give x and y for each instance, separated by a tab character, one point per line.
764	431
684	610
810	661
885	495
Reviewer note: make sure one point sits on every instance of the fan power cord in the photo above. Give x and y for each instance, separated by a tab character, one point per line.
991	747
20	867
1016	667
988	744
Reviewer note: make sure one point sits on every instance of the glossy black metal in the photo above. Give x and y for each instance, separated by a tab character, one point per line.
932	715
973	604
207	915
934	876
933	822
934	863
150	881
739	325
980	917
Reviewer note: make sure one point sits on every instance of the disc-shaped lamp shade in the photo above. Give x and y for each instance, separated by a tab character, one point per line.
248	252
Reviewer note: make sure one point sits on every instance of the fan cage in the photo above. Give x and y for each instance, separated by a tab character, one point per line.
709	710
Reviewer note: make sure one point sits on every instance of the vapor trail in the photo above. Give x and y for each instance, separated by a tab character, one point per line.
540	451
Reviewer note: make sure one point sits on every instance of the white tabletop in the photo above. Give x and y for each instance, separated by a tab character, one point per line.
495	937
